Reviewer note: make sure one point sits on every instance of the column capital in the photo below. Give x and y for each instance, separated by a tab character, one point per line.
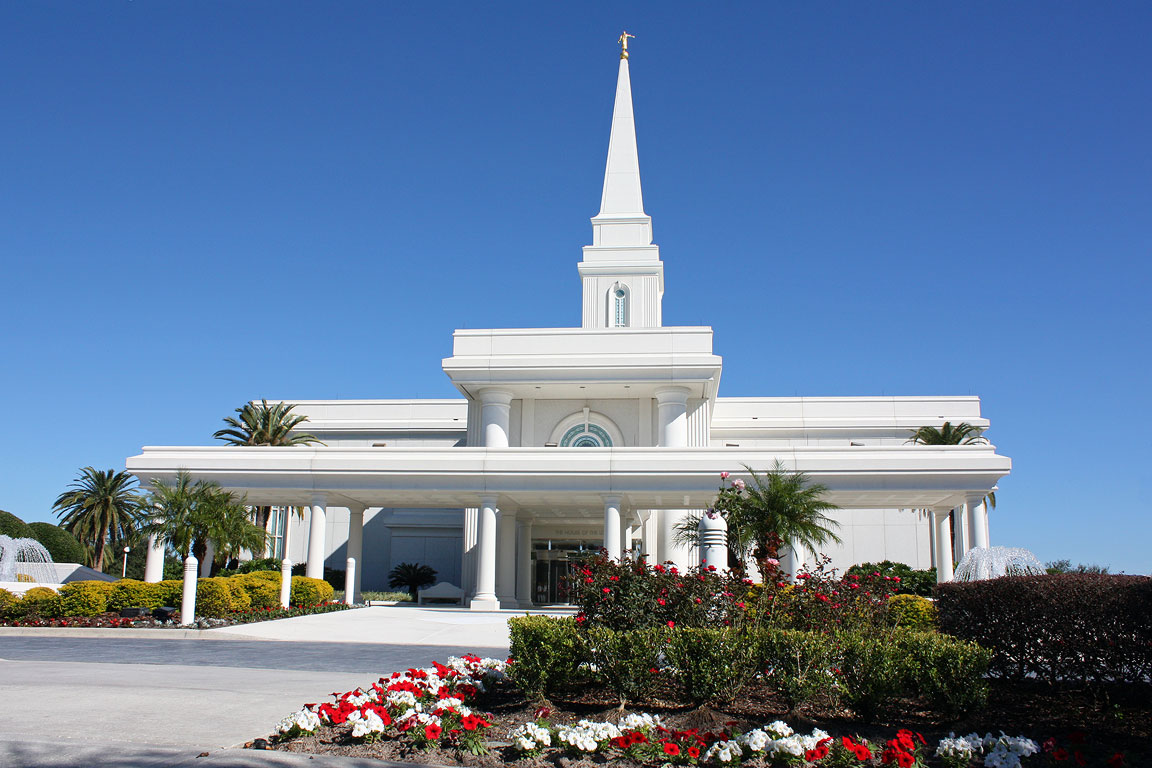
507	514
613	499
495	396
319	499
975	499
489	501
678	395
941	512
357	509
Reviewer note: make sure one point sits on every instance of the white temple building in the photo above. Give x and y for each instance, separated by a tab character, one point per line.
568	439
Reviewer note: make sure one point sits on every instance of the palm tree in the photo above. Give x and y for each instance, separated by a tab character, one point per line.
961	434
777	507
191	515
100	506
411	576
270	425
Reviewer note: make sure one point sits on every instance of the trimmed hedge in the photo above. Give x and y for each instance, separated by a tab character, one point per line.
38	601
1082	628
61	545
10	525
261	592
912	612
213	599
85	598
546	654
309	591
865	671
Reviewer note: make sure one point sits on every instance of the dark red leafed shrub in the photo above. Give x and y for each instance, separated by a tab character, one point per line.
1087	628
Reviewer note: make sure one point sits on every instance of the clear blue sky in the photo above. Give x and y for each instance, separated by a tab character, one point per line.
203	203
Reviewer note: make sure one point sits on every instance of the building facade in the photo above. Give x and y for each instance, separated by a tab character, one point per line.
610	434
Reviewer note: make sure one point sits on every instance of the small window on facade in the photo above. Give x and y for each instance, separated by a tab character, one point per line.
619	306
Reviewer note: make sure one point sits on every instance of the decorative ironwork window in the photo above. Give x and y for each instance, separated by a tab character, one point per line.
586	436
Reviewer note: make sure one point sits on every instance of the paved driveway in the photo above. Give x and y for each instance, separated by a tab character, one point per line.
215	689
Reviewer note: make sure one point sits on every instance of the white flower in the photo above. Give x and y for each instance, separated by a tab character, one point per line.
368	722
779	729
305	720
640	722
756	741
724	752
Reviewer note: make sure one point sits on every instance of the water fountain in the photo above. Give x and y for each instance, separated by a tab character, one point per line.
993	562
26	557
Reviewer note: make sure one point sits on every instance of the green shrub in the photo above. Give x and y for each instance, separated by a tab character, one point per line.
260	565
912	612
908	580
948	672
85	598
309	591
130	593
796	664
213	599
38	601
263	576
711	665
546	653
10	525
873	672
625	660
7	600
171	592
61	545
238	596
261	592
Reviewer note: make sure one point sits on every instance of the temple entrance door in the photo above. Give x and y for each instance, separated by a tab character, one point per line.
554	567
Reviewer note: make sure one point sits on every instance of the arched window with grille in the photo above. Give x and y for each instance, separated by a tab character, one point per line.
618	306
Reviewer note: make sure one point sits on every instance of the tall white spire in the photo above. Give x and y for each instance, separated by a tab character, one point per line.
622	273
622	196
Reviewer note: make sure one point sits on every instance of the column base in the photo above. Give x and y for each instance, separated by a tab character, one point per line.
484	604
526	604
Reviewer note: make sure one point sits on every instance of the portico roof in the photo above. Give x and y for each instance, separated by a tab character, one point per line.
561	481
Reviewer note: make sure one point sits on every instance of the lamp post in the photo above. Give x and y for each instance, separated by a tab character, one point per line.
124	570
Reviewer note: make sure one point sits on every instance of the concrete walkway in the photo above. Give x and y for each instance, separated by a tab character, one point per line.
165	697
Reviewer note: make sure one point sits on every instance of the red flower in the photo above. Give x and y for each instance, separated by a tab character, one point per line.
862	752
432	732
671	624
1078	756
1116	761
671	748
470	722
1060	754
694	752
606	590
905	760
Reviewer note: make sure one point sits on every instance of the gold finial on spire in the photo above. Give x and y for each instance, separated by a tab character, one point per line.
624	44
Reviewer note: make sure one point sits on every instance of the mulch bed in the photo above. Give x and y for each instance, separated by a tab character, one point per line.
1110	720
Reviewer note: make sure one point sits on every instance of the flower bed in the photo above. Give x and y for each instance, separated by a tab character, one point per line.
115	621
467	712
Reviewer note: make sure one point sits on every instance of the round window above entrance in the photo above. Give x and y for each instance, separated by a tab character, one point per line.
586	436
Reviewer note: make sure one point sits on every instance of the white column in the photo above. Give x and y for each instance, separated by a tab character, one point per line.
285	582
154	565
524	580
468	557
943	546
977	521
649	535
672	408
626	534
356	546
612	526
188	603
960	540
506	558
485	599
316	525
209	556
289	525
672	432
495	408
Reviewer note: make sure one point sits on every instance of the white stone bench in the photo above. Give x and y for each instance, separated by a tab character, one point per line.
441	591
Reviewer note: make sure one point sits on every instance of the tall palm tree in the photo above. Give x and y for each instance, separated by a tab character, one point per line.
263	424
777	507
100	506
191	515
961	434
